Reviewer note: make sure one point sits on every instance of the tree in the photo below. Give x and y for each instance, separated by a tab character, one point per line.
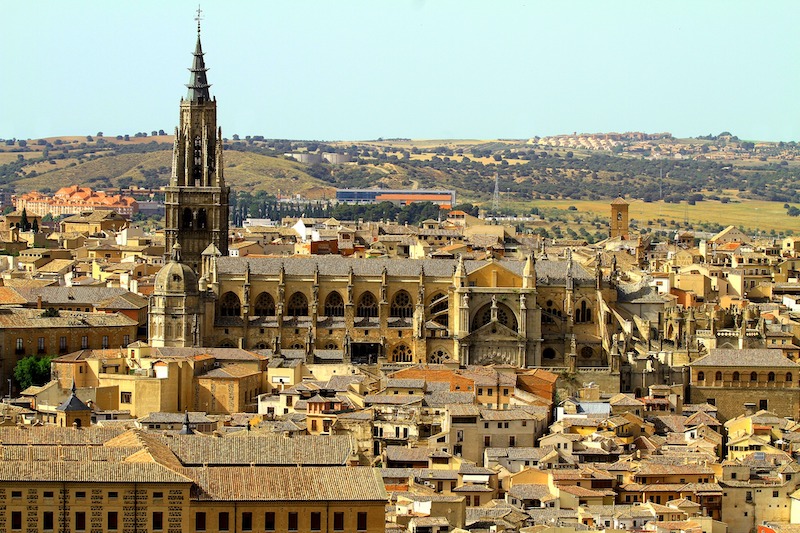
32	370
24	224
35	226
22	143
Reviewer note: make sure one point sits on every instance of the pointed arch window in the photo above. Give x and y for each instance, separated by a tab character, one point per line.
298	305
583	313
367	306
264	305
402	306
401	354
334	305
187	218
229	305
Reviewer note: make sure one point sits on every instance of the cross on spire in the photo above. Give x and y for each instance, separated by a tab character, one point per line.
199	17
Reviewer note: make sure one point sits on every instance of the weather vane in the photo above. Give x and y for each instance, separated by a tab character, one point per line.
199	17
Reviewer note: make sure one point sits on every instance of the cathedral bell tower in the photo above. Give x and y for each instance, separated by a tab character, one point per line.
197	197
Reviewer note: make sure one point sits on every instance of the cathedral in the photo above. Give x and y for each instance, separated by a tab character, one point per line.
333	309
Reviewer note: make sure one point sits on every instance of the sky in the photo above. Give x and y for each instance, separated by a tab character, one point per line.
422	69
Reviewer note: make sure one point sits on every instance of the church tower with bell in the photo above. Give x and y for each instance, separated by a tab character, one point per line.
197	197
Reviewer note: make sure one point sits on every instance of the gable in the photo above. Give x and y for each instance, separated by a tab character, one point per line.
492	274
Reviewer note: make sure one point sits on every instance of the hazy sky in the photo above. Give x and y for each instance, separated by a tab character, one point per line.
353	70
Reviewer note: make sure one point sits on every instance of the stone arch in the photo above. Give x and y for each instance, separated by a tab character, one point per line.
505	316
230	305
261	346
227	343
187	218
718	376
367	306
334	304
789	376
549	354
264	305
402	354
297	305
402	305
736	376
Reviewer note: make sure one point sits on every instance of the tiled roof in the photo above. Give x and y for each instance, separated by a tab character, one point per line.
89	471
758	357
32	318
288	484
43	435
261	450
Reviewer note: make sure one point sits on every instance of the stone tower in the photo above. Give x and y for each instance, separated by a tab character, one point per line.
197	198
619	218
175	315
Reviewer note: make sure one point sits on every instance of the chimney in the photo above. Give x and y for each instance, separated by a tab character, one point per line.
39	302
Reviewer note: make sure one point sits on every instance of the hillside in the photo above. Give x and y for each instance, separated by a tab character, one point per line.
693	183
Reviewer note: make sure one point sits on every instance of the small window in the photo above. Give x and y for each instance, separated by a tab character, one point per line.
775	493
47	495
84	342
16	520
105	341
112	521
247	521
269	521
316	521
125	397
158	495
361	521
158	520
16	494
701	376
292	521
200	521
113	495
80	521
80	495
338	521
47	521
224	521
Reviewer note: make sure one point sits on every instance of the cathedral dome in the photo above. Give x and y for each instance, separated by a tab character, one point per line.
175	277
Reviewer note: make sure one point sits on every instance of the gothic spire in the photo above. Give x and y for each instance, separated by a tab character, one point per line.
198	83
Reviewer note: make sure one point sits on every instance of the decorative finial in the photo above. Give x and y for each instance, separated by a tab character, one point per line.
198	18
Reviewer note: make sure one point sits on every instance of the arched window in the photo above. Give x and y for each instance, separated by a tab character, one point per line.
261	346
334	305
264	305
331	346
401	354
367	306
401	305
298	305
439	356
771	376
735	376
583	313
548	353
188	219
505	316
202	219
788	376
229	305
701	376
718	376
753	376
438	309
